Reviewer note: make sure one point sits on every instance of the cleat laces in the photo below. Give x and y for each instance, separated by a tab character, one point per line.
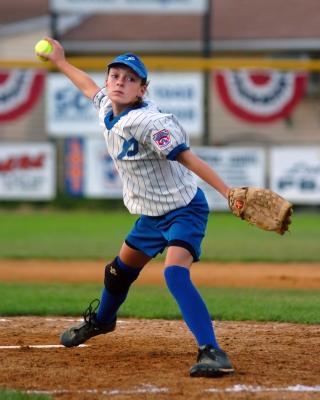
90	313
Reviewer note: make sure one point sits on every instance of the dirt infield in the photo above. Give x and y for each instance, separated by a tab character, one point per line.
150	359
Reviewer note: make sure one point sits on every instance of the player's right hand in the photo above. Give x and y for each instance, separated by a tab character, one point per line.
57	54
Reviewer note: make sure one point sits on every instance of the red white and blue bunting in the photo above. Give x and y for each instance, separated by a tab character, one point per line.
19	92
260	96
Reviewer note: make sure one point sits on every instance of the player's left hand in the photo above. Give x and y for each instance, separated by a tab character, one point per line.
261	207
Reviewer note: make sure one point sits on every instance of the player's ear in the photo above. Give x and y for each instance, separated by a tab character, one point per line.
106	78
143	89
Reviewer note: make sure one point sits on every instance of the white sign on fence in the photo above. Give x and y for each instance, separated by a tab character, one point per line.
101	177
181	94
27	171
237	166
295	173
129	6
70	113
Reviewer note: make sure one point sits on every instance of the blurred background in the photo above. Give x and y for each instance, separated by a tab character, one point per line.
241	76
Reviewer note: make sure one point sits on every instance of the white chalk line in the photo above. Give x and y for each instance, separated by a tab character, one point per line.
143	389
259	389
38	346
119	321
147	389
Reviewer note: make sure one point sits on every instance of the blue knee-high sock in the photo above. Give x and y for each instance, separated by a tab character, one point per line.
109	302
191	304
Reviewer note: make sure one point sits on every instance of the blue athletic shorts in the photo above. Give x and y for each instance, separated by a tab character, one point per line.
184	227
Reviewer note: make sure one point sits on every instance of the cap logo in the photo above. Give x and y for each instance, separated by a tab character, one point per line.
130	58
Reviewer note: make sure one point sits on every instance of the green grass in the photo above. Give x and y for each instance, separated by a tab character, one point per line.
96	235
16	395
300	306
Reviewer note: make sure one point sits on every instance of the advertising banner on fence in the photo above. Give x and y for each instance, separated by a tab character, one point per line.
27	171
89	170
101	178
295	173
237	166
69	113
182	95
129	6
92	173
74	166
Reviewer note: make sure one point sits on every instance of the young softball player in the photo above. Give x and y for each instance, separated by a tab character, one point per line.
151	152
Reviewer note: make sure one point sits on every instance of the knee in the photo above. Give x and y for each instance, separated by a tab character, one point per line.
117	279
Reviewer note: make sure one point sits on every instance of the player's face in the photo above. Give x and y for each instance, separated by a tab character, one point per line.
124	88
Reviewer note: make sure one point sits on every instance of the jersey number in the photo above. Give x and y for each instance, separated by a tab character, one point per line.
129	148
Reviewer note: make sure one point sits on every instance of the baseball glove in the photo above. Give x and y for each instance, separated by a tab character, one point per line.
261	207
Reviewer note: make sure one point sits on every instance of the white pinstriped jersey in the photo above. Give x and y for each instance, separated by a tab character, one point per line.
143	143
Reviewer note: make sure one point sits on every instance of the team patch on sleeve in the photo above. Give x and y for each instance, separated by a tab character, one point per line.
162	139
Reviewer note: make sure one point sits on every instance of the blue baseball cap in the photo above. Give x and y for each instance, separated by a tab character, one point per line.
132	61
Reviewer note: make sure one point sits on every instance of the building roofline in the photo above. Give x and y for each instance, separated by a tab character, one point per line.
182	46
28	25
292	44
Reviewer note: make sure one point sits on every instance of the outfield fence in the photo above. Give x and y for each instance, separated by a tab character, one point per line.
256	120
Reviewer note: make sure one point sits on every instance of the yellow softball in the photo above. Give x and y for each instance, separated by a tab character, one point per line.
43	46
